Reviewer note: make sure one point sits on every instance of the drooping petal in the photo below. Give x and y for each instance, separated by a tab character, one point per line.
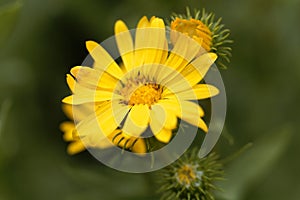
186	110
164	135
139	146
190	110
192	113
107	142
172	105
137	120
164	116
102	123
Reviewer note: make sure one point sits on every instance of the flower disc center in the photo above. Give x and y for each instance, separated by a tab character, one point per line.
188	175
146	94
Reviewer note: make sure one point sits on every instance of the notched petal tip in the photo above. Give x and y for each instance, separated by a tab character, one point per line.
157	22
144	22
120	26
75	70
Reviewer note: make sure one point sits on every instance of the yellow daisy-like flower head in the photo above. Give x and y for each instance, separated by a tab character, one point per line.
146	91
195	29
206	30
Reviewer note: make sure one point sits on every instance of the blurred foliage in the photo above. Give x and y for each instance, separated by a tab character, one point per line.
246	170
8	16
41	40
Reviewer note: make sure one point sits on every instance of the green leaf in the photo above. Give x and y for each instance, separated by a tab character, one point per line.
254	165
8	18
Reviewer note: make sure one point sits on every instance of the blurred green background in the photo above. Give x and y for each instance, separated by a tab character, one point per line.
42	39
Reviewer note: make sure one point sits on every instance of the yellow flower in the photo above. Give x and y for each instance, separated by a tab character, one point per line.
195	29
147	91
206	30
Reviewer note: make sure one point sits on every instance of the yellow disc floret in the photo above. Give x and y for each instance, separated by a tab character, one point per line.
147	94
195	29
186	175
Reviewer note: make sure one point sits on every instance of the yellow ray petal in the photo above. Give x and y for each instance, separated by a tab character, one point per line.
164	116
94	79
200	91
74	71
184	51
120	140
203	125
67	109
164	135
136	145
141	37
139	146
143	22
198	68
155	49
67	128
84	95
189	112
172	105
71	82
75	147
184	80
125	44
181	108
79	112
107	141
103	61
99	125
137	120
175	83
